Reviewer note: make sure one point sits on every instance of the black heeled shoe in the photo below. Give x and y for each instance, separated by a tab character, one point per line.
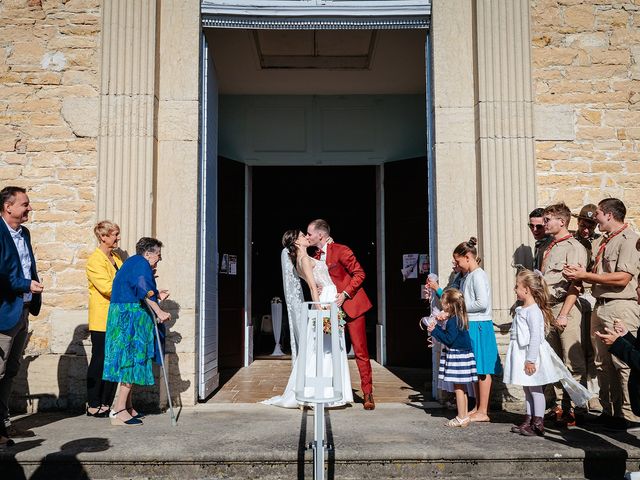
99	414
113	416
138	415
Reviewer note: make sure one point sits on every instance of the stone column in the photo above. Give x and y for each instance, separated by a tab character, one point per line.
455	122
176	195
125	144
485	170
148	153
506	160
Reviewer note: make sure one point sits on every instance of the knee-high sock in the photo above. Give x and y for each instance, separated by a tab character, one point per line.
535	400
528	400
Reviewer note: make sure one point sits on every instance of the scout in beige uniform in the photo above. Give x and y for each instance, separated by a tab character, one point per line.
565	336
614	281
586	234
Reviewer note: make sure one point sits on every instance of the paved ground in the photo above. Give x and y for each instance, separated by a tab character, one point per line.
233	437
226	440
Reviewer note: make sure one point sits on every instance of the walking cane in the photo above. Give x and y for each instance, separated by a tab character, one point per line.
164	370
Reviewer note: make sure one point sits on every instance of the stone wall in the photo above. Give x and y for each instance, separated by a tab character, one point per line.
49	56
52	76
586	73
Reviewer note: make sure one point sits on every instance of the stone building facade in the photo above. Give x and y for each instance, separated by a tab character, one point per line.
49	91
586	75
90	94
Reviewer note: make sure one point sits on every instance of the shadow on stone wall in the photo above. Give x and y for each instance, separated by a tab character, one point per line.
72	371
70	368
22	399
522	257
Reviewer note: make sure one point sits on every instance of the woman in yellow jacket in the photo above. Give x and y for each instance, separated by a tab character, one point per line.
102	266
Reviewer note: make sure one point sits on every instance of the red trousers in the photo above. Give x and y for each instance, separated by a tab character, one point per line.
358	335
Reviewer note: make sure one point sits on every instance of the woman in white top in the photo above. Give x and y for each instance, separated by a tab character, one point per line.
477	296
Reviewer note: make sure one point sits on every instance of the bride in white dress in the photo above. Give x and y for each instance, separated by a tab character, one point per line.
297	263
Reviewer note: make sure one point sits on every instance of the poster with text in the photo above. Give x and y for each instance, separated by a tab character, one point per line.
410	265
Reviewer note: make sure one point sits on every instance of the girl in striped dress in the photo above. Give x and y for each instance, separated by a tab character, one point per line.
457	363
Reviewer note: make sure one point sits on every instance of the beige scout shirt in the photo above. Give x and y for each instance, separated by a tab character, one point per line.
620	255
570	252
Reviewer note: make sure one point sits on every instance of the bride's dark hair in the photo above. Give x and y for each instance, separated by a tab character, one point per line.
289	242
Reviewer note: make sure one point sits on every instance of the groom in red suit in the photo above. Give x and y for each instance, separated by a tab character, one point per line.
347	275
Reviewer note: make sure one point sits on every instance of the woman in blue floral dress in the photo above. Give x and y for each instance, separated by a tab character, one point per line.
129	342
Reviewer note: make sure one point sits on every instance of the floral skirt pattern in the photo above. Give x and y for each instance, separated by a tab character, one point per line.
129	345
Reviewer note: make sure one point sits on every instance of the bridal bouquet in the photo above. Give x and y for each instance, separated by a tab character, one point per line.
326	322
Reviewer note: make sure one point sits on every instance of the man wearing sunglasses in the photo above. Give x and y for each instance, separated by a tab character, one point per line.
536	225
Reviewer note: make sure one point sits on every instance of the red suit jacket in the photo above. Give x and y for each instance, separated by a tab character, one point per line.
347	275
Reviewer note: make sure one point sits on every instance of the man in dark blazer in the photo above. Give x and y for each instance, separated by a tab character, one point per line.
20	293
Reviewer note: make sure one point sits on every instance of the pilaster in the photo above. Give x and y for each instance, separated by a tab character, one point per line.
456	130
176	194
125	143
506	160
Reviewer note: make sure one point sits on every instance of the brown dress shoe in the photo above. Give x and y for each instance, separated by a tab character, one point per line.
369	404
554	414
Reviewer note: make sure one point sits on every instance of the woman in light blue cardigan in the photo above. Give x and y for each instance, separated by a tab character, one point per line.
477	297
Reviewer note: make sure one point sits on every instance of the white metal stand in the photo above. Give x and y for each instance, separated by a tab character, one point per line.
312	386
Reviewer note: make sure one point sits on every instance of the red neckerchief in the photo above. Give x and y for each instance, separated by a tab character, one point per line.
603	245
547	251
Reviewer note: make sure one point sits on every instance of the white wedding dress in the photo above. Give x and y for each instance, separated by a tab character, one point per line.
293	298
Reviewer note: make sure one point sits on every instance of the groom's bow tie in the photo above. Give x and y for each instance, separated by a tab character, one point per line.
318	254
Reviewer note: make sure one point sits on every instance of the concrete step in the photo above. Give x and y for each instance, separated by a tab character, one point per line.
59	469
247	441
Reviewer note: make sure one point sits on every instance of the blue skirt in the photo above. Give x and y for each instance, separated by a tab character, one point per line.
485	348
457	366
129	345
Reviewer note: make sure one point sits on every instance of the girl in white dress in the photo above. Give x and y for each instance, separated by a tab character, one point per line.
316	274
531	362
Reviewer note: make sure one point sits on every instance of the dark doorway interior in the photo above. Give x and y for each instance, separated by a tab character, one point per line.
231	284
406	231
290	197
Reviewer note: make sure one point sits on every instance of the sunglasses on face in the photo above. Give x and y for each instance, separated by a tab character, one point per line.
536	227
